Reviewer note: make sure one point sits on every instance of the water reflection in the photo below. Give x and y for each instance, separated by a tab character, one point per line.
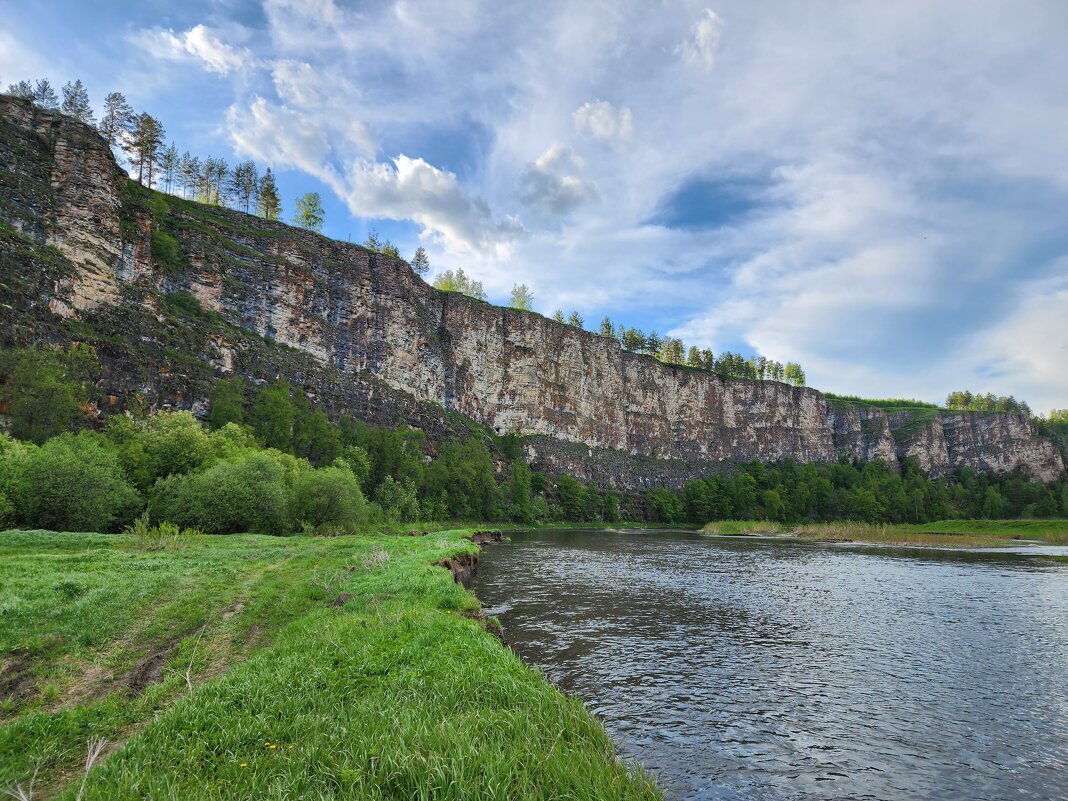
757	669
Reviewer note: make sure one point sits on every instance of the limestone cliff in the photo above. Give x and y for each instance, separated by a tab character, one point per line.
372	339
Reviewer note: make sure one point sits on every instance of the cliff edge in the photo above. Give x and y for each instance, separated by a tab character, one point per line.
83	256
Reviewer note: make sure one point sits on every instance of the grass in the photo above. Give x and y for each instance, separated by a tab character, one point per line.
742	527
236	667
942	533
886	404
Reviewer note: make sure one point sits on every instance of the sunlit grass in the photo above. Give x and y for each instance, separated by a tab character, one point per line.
392	694
736	527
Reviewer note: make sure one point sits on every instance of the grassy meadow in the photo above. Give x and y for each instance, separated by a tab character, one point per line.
274	667
942	533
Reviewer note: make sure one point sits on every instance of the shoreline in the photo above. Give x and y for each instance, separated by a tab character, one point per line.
305	666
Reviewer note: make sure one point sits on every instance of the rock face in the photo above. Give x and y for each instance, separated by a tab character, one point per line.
371	335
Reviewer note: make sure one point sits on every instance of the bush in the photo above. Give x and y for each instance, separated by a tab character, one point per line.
230	497
329	497
164	537
172	443
45	389
165	249
72	483
398	499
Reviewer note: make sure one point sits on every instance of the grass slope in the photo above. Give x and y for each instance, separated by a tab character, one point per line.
296	691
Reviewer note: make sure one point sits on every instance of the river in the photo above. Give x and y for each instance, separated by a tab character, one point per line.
735	668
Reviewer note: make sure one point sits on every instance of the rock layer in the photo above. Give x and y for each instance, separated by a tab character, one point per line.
585	405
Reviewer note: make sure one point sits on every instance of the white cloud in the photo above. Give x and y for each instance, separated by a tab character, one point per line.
903	178
199	43
1025	354
703	45
276	135
603	121
412	189
551	186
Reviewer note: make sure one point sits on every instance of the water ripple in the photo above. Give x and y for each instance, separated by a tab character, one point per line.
765	670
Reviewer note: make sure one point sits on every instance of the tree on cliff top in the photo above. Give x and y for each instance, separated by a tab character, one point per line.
244	183
522	298
267	201
143	145
22	89
420	261
449	281
117	118
76	102
310	212
45	96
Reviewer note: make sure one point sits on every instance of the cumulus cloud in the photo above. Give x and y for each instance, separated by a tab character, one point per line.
703	45
412	189
277	135
551	186
603	121
199	43
1025	353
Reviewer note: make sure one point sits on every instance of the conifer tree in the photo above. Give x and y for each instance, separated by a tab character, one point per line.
576	319
22	89
146	138
420	261
45	96
244	183
117	118
267	201
76	102
169	162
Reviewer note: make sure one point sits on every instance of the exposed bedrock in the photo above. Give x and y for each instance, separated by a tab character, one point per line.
368	335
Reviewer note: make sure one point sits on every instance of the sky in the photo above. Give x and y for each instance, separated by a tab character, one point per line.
876	190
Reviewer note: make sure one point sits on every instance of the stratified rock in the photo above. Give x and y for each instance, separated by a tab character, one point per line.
370	338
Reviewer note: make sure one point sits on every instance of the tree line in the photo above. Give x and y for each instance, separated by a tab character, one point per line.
969	402
269	459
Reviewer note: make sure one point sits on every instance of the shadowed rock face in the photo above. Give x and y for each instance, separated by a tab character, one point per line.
386	336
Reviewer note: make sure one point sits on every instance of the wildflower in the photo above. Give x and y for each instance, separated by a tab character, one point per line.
272	746
244	764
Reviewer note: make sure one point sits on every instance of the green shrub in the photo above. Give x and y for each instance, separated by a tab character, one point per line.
171	443
229	497
45	389
329	497
165	249
72	483
398	499
163	537
227	398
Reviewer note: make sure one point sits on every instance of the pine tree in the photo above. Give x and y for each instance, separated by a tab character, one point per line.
389	249
310	212
169	162
45	96
146	137
117	118
558	315
220	181
372	242
606	329
576	319
267	201
188	170
653	343
244	183
420	261
22	89
76	102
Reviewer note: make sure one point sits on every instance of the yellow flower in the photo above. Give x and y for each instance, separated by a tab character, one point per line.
244	764
290	748
273	746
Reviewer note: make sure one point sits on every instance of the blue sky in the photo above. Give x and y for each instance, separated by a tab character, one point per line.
877	190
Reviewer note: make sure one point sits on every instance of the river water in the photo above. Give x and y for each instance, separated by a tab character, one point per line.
760	669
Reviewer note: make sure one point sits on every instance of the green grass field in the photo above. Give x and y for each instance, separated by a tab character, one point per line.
265	667
943	533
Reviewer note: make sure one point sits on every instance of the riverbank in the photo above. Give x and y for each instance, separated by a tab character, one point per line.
255	666
941	534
